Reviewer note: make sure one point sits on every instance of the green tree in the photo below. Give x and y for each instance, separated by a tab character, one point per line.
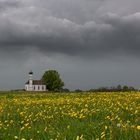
52	80
132	89
125	88
119	88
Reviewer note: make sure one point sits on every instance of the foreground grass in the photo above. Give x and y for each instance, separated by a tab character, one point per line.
70	116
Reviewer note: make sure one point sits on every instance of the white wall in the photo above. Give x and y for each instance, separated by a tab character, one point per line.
39	88
36	88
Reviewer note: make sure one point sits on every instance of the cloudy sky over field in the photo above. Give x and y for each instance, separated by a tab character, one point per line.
91	43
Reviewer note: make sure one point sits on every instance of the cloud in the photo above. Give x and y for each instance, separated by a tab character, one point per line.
5	4
72	36
32	26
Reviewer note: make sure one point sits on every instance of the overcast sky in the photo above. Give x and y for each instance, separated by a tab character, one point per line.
92	43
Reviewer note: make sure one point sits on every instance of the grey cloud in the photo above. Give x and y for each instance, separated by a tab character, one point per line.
41	25
81	11
113	33
5	4
57	34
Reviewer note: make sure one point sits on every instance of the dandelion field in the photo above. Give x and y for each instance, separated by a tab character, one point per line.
70	116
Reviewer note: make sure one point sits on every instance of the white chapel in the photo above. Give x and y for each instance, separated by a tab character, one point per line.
34	85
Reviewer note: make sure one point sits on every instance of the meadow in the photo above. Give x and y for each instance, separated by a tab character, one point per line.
70	116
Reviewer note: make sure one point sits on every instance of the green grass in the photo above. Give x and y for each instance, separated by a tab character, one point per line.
69	116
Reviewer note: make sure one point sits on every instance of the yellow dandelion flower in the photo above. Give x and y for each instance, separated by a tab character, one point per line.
23	139
105	127
22	128
45	129
16	137
81	137
132	126
77	138
68	126
11	121
138	127
102	135
26	124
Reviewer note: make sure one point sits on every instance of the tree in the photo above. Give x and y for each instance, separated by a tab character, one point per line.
119	88
125	88
78	90
52	80
131	88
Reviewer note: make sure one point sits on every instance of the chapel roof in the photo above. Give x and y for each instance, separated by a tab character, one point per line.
37	82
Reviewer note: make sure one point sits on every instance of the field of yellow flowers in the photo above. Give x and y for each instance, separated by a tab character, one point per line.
70	116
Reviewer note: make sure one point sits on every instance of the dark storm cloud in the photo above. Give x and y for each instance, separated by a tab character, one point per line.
56	34
112	34
50	31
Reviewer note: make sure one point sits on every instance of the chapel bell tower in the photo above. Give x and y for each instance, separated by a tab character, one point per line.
30	80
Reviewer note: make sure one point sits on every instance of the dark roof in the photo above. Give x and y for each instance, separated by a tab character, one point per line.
37	82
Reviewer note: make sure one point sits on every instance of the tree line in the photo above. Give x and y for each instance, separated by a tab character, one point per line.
118	88
55	83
